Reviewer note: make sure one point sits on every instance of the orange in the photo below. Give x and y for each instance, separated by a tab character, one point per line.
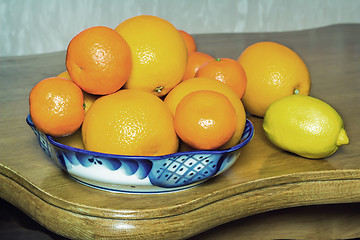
189	41
56	106
88	98
195	60
65	74
195	84
130	122
205	120
226	70
159	54
98	59
273	71
73	140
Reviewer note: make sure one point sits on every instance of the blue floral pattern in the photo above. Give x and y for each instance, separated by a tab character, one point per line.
171	171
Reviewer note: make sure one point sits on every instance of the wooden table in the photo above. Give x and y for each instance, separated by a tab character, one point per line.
264	178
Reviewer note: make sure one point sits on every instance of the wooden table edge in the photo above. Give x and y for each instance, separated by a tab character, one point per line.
311	188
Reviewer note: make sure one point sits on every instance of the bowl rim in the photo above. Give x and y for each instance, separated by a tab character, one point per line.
248	124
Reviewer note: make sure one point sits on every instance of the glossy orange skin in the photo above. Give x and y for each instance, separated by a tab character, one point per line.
194	84
56	106
205	120
73	140
195	60
130	122
89	99
98	59
65	74
159	54
273	71
226	70
189	41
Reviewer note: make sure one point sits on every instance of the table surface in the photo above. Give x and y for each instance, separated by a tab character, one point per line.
263	179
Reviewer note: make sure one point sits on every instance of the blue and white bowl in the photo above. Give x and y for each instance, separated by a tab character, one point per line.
141	174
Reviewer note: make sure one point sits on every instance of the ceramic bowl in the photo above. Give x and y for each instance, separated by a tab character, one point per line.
141	174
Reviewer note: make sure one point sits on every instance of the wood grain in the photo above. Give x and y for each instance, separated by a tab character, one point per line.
264	178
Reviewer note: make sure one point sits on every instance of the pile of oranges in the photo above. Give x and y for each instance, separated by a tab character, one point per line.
144	89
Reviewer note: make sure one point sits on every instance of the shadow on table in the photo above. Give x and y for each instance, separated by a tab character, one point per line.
16	225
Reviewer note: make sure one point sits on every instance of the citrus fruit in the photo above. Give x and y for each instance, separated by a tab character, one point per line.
226	70
159	53
88	98
73	140
195	84
130	122
98	59
189	41
195	60
205	120
65	74
273	71
56	106
305	126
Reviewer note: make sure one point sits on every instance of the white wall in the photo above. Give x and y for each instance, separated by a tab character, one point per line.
41	26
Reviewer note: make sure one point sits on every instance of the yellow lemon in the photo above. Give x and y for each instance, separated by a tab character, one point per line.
305	126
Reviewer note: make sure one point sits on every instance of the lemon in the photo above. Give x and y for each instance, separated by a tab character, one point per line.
305	126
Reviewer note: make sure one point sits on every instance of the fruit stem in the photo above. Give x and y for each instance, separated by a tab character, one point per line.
296	91
159	89
217	59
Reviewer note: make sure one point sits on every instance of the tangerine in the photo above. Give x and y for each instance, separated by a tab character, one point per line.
56	106
89	99
205	120
195	60
98	59
226	70
189	41
195	84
